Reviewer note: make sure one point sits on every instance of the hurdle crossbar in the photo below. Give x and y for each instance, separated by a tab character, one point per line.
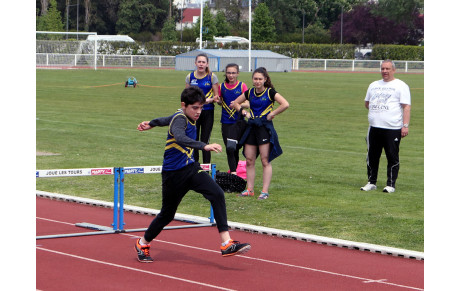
118	197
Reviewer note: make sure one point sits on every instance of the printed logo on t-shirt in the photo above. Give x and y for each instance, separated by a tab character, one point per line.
379	99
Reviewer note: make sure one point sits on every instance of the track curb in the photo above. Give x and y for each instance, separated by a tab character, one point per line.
250	228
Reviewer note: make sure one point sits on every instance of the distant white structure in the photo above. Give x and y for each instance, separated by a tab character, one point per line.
189	3
110	38
227	39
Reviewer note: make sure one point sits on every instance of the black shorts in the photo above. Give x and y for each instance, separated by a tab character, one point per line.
258	136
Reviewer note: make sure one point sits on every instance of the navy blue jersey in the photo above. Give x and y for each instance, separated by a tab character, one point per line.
229	115
205	84
260	104
176	156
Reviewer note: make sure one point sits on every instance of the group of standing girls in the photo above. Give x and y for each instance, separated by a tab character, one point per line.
256	104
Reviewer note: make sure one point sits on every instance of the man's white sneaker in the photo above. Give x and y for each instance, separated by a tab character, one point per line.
368	187
388	189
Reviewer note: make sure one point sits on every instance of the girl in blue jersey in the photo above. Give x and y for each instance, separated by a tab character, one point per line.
208	82
181	173
260	137
228	92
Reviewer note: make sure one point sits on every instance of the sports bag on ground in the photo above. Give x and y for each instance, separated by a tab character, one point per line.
229	182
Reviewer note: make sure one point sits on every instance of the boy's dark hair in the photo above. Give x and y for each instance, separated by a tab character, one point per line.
192	95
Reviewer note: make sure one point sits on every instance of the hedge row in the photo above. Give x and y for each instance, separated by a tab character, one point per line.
398	52
309	51
293	50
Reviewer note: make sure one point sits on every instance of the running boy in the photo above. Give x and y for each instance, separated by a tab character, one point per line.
182	173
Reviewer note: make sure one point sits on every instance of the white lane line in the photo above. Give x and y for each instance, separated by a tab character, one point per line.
52	220
134	269
364	280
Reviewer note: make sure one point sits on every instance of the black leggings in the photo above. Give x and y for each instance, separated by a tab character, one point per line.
175	185
232	155
387	139
203	133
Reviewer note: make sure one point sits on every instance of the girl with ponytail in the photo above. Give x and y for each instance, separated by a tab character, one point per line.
260	137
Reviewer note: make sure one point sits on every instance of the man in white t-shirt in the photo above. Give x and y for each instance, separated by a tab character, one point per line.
389	102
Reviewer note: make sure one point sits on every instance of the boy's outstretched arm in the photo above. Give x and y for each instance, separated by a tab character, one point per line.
161	121
177	128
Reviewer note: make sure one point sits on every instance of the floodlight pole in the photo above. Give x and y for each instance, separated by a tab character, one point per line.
201	25
78	8
250	35
181	20
67	21
341	26
303	26
67	16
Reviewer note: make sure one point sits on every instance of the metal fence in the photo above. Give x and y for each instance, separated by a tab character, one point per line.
50	60
354	65
103	61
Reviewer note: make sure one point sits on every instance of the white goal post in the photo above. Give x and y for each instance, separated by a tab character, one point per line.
65	49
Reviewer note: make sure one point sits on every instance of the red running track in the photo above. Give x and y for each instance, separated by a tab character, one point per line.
189	259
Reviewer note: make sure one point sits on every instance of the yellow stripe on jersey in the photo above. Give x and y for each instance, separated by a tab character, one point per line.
188	121
230	111
209	94
267	110
187	151
256	94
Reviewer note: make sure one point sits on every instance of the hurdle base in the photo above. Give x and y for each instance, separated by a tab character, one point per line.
107	230
93	226
77	234
172	227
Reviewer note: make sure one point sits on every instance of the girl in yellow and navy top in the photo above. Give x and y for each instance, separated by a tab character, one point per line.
181	173
207	81
228	92
260	137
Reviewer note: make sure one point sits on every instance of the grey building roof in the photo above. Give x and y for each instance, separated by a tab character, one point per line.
234	53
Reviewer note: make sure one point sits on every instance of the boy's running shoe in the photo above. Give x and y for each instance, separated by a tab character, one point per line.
143	252
246	193
234	247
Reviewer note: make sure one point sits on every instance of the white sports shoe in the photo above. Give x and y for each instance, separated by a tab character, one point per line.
368	187
388	189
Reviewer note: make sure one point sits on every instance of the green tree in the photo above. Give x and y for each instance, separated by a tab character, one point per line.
399	11
263	25
292	15
169	30
317	34
408	13
209	25
286	14
135	16
222	26
233	10
50	21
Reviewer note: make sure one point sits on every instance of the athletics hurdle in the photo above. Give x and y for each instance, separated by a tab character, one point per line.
118	197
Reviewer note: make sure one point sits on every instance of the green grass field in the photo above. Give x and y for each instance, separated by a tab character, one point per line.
89	119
